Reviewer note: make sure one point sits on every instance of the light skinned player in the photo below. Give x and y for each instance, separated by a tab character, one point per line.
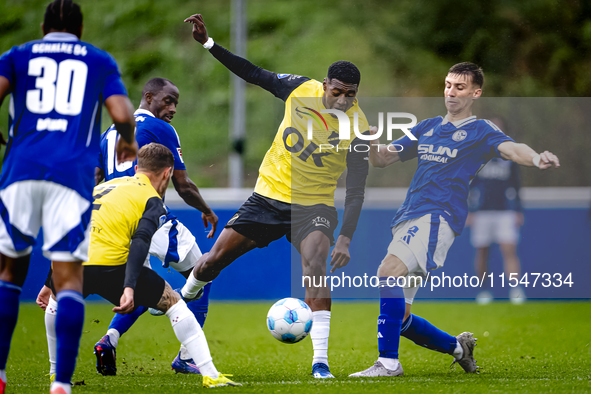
58	86
127	211
450	152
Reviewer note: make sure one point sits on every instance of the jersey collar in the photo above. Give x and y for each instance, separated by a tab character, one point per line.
142	177
460	122
140	111
60	36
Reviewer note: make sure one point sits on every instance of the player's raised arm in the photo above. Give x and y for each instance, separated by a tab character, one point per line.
381	155
121	112
189	192
523	155
268	80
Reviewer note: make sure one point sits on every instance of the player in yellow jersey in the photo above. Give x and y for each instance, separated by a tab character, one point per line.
127	211
294	194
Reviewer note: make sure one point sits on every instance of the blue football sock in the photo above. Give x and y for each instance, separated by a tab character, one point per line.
68	328
392	308
122	323
425	334
200	306
9	295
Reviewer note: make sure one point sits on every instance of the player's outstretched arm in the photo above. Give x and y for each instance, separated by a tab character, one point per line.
189	192
239	66
526	156
121	112
379	154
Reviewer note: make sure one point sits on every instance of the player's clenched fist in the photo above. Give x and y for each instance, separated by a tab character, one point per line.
199	30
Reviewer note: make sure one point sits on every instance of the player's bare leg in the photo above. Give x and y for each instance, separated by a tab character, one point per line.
228	247
13	272
480	267
314	249
67	279
512	265
191	336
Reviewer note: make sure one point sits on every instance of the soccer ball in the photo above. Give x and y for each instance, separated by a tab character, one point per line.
289	320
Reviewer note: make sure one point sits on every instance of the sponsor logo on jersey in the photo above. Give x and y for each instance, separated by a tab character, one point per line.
315	116
432	153
321	221
459	135
180	155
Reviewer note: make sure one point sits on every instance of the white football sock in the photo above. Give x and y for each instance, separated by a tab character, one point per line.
3	375
66	386
190	334
184	353
458	352
50	315
319	334
192	286
389	363
113	336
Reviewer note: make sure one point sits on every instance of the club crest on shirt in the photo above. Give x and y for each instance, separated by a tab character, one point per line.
459	135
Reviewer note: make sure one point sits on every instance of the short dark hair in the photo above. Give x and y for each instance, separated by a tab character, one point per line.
469	69
154	158
345	72
63	14
155	85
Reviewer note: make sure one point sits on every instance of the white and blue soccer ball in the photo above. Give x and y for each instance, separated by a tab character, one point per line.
289	320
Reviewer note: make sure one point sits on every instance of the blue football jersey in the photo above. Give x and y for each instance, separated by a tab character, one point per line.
58	86
449	156
149	129
496	187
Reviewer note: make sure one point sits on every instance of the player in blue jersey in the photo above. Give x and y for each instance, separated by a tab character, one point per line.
58	86
173	243
450	151
495	216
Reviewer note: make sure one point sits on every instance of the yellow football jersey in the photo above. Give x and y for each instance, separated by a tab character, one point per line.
305	171
118	207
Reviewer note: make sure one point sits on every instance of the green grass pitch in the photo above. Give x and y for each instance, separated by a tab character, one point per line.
535	347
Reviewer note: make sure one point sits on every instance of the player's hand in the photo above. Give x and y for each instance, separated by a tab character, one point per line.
199	30
212	218
548	159
126	151
43	297
340	254
126	302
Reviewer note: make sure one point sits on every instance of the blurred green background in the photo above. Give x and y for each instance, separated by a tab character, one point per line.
404	48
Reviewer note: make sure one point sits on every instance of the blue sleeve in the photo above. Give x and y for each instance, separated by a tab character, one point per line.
113	83
494	137
164	134
409	147
7	65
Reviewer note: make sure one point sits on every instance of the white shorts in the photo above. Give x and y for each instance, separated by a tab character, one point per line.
422	245
27	206
172	244
490	227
